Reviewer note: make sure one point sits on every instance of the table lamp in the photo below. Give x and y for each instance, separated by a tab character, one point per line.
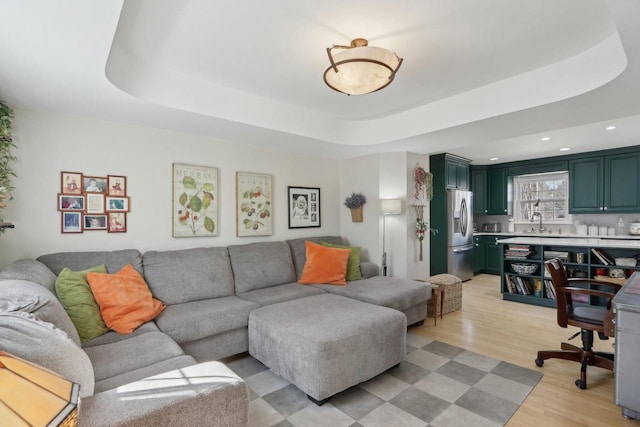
388	207
33	396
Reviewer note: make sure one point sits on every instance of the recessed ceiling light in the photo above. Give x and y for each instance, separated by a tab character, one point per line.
610	127
493	159
565	149
546	138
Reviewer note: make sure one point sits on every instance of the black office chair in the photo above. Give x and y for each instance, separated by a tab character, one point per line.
587	318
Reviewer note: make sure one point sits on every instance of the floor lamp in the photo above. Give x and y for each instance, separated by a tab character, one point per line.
388	207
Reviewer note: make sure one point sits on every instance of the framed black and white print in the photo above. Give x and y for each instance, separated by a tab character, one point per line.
304	207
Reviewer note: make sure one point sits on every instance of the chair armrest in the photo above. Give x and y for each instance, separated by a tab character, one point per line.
616	286
206	394
594	292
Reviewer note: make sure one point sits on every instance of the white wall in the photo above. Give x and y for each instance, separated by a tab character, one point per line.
393	185
50	143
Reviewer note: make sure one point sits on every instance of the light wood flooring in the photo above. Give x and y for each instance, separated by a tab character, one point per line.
514	332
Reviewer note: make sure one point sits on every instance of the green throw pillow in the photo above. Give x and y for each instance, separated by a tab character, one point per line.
77	299
353	264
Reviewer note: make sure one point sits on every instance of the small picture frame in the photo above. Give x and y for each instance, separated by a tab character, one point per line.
94	184
94	203
71	182
67	202
72	222
117	222
304	207
95	222
116	185
117	204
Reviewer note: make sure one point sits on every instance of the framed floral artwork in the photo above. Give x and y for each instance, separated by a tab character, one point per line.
195	200
71	182
116	185
304	207
254	204
117	222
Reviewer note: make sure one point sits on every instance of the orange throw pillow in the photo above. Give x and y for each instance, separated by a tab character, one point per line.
325	265
124	298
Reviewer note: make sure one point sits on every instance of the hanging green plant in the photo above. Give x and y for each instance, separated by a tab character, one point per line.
6	154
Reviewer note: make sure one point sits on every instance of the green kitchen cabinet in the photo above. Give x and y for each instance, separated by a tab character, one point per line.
497	191
479	261
456	172
479	188
493	255
605	184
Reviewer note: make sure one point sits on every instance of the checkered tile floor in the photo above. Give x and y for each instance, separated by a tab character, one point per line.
436	385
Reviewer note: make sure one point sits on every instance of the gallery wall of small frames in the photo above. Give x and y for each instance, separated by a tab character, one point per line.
93	203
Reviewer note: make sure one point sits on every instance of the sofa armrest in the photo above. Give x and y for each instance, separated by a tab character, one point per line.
369	269
206	394
31	270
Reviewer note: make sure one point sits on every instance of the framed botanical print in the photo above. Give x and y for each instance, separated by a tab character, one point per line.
304	207
71	182
116	185
195	200
254	204
117	222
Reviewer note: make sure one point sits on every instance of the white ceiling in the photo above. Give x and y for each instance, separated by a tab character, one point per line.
480	78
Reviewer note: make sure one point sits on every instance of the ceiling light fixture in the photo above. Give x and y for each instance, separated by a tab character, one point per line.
360	68
546	138
610	127
493	159
565	149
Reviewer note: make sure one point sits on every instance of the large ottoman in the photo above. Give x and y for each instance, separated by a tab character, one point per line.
326	343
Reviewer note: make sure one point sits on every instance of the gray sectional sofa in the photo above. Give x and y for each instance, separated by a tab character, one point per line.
210	294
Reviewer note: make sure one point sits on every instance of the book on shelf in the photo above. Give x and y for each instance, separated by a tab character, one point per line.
604	259
564	256
551	291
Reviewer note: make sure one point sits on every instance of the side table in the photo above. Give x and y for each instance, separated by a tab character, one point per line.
437	292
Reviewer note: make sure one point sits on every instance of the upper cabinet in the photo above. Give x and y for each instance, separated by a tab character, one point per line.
456	172
605	184
479	188
497	191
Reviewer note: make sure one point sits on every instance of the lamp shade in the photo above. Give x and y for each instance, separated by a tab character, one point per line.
359	68
391	206
33	396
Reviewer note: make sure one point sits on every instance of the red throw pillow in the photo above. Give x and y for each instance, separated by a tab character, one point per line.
124	298
324	265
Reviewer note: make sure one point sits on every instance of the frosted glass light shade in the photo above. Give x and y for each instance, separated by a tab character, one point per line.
391	206
359	68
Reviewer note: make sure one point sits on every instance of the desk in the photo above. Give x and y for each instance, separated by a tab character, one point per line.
626	304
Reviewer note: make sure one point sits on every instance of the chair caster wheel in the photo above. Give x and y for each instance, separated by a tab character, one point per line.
581	384
539	362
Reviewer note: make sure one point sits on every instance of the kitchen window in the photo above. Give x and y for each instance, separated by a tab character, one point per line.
546	194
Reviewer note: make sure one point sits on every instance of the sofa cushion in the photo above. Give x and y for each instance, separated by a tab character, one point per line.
177	362
113	336
325	265
76	297
280	293
260	265
29	297
114	261
24	336
124	299
353	266
127	355
198	319
299	250
399	294
188	275
30	270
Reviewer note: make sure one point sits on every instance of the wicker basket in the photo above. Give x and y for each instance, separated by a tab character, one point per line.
356	214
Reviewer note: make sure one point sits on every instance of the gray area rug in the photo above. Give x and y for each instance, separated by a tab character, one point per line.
436	385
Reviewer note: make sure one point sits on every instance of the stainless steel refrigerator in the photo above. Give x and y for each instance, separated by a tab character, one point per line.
460	233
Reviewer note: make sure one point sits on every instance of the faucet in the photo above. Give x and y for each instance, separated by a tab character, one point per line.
539	215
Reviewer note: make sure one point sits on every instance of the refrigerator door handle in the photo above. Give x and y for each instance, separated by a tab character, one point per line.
463	217
462	248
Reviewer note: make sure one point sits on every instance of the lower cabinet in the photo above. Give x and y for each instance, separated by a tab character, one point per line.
524	277
487	254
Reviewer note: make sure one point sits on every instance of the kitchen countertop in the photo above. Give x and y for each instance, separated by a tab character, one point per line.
590	241
559	235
